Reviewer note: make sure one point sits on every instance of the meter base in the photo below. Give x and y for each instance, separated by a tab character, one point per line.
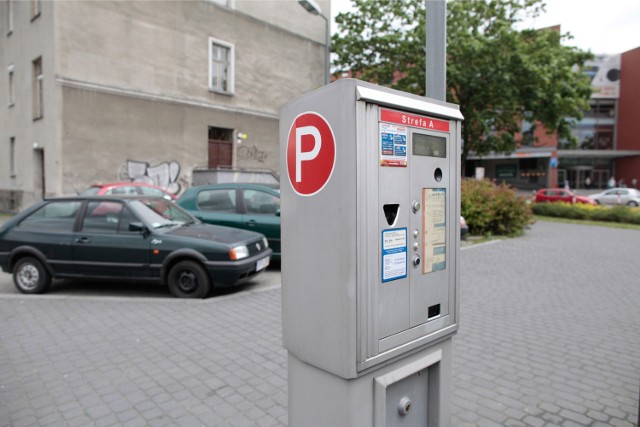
412	391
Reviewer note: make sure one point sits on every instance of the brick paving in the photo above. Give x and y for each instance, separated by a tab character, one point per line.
550	330
549	336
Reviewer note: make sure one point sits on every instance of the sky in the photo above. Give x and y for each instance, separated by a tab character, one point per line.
603	27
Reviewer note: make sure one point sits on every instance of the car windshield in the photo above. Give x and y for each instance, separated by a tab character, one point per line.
162	213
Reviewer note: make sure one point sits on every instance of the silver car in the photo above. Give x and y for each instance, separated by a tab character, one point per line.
618	196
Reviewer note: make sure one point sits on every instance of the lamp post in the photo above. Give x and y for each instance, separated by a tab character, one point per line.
313	8
436	49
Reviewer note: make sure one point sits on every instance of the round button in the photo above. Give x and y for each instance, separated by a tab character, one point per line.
415	206
416	246
416	233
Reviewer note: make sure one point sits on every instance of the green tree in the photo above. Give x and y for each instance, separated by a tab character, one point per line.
497	74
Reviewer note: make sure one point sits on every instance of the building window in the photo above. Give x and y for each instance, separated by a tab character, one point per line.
35	9
9	10
528	133
12	156
221	64
11	90
38	106
602	109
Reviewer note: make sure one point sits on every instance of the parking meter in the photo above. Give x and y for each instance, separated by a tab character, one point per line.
370	241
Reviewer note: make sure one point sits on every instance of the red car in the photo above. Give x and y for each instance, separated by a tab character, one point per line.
549	195
128	188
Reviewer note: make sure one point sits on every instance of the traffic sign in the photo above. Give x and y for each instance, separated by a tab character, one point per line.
311	153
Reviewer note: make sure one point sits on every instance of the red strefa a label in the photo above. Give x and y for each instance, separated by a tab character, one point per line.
413	120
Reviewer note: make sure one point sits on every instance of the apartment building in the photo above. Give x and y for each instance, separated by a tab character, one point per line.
101	91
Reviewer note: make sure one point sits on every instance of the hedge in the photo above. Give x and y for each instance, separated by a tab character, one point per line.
494	210
622	214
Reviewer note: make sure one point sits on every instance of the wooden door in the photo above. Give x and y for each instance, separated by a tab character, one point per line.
220	153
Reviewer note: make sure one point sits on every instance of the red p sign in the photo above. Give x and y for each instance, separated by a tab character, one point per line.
311	153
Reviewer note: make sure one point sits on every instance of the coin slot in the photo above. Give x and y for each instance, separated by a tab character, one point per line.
391	213
438	174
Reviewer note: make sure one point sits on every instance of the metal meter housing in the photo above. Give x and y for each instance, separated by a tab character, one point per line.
370	225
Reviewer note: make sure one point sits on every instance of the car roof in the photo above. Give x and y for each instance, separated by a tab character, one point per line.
124	183
244	185
123	197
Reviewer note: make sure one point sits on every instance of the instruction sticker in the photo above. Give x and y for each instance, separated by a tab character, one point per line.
434	224
394	254
393	145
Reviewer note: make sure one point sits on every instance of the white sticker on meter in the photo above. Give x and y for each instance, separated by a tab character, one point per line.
394	254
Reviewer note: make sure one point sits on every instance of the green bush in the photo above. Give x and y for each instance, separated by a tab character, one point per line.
622	214
491	209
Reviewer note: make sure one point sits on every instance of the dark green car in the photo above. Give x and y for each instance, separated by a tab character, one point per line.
140	239
247	206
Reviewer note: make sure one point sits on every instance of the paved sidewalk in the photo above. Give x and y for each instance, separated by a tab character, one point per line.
550	330
549	336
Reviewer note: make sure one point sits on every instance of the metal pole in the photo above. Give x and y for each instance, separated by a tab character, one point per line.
436	49
327	51
313	8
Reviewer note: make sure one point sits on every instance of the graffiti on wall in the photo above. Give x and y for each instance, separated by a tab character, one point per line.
164	175
252	153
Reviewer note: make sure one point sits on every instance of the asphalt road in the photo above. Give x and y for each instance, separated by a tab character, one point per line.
549	336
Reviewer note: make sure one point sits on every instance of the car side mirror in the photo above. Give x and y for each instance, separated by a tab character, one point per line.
278	212
137	227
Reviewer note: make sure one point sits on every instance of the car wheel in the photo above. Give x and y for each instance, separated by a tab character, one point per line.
188	279
30	276
597	202
632	203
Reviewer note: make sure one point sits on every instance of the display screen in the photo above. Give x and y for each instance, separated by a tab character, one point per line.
429	145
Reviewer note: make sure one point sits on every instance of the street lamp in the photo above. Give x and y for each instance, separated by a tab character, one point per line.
313	8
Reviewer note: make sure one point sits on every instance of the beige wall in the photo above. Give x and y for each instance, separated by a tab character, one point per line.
147	131
30	39
288	14
162	48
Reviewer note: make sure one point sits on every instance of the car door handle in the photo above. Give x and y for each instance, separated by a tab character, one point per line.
83	240
251	223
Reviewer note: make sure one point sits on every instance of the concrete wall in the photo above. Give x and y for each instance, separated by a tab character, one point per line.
288	14
162	48
146	131
31	38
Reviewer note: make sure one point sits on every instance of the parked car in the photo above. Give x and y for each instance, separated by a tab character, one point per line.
126	238
128	189
246	206
618	196
549	195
